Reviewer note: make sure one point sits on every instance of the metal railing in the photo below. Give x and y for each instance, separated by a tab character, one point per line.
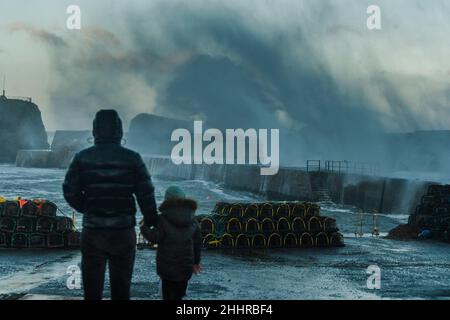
342	166
313	165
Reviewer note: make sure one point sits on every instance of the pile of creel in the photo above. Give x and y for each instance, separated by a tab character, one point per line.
433	212
35	224
269	225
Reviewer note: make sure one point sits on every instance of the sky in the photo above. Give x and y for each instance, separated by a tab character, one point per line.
303	66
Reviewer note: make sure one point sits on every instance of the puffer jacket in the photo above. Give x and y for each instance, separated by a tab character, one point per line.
103	181
178	237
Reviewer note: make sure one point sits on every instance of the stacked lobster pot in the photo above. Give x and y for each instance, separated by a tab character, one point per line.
433	212
269	225
35	224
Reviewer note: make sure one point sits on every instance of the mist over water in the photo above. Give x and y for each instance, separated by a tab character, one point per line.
311	69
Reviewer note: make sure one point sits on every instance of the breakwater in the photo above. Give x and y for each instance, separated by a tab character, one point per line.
370	193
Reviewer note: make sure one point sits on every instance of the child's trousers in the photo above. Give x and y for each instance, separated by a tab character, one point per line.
173	290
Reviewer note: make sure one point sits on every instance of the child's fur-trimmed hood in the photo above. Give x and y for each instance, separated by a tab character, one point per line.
179	203
179	212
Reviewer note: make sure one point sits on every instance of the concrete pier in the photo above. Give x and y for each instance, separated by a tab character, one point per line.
370	193
43	159
33	158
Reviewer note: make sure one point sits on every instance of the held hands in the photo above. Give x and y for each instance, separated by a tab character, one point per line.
145	231
197	269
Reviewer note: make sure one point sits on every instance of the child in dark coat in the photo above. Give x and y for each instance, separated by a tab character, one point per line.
178	237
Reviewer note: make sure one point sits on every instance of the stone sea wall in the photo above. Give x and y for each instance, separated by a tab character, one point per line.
369	193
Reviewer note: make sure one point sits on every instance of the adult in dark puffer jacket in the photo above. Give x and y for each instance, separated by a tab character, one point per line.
101	183
178	237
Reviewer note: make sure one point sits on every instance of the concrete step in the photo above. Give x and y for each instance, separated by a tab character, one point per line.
322	194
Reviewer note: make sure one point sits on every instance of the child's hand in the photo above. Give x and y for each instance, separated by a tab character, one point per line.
146	232
197	269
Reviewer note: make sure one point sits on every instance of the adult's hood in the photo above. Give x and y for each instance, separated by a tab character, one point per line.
107	127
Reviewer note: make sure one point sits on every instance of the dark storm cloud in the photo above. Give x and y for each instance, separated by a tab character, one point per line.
253	77
309	68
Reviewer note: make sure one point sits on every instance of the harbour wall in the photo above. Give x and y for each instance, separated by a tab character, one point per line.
370	193
43	159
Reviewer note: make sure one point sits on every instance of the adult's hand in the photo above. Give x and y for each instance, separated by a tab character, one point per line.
197	269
